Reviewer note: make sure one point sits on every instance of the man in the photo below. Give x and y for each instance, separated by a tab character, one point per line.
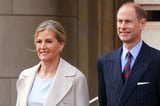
141	85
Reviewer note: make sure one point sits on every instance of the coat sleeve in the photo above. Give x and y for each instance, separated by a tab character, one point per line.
82	95
101	85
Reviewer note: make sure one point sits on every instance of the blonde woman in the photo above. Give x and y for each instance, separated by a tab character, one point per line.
52	82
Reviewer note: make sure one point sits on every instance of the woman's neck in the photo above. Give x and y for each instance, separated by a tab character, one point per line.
48	69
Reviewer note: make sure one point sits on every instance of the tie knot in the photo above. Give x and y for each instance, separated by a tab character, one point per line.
129	54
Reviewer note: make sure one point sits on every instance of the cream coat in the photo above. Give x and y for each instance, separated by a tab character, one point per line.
70	87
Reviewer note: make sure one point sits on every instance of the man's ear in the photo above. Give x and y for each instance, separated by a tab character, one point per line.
143	23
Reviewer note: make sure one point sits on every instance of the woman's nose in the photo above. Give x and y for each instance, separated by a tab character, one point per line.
43	45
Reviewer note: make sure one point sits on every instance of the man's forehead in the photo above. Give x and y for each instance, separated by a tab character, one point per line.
126	11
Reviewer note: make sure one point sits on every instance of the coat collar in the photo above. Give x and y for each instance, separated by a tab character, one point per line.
63	83
24	84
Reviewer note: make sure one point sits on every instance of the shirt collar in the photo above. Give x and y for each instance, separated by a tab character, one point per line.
134	51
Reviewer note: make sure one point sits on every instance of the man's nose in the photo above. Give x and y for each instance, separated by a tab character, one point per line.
123	24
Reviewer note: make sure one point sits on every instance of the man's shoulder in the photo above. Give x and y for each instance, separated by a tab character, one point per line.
110	55
152	50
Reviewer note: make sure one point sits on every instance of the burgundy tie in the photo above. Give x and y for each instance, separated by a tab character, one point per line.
126	69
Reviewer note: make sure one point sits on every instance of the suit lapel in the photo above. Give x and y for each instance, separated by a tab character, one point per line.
63	83
115	71
138	70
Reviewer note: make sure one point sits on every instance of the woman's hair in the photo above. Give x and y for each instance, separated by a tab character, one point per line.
54	26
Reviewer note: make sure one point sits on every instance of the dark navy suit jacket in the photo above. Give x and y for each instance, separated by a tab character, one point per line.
142	88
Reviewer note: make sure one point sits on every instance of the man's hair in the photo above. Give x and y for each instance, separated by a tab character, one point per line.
140	12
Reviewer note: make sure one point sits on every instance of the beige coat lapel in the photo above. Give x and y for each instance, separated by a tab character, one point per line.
24	84
63	83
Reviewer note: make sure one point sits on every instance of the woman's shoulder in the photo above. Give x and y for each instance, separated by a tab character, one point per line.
72	69
29	71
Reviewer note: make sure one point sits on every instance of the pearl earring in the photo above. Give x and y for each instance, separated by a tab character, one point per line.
60	49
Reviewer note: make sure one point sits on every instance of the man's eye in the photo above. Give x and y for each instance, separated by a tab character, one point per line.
49	41
119	21
128	21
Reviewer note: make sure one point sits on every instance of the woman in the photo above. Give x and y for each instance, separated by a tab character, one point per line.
53	82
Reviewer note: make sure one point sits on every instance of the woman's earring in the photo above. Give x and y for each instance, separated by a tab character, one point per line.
61	49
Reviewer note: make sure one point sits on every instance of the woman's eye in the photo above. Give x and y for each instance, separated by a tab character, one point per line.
38	41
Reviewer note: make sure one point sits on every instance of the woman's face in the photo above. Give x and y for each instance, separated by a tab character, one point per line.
47	46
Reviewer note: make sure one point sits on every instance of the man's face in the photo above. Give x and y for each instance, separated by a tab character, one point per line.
128	26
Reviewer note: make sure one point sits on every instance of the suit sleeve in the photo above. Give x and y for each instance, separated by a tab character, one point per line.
101	85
